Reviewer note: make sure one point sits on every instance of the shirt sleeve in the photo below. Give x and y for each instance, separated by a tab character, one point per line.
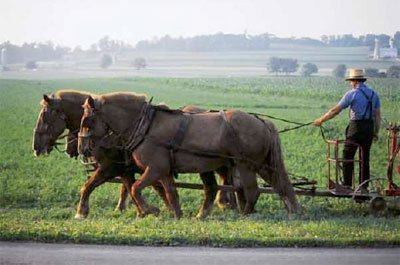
346	100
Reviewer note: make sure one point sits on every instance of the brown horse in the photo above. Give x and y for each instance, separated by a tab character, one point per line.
211	141
63	111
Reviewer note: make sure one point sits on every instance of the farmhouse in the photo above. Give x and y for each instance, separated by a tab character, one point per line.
386	52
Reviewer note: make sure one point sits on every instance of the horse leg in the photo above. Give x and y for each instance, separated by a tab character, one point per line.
249	184
94	181
281	184
127	186
172	195
159	188
123	194
226	199
148	177
241	199
210	191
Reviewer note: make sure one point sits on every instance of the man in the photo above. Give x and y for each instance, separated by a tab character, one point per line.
365	116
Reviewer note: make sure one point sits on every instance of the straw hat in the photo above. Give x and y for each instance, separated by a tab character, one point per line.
356	74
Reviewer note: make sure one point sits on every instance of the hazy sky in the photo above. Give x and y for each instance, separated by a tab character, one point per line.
83	22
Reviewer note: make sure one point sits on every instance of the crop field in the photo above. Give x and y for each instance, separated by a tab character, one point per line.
38	196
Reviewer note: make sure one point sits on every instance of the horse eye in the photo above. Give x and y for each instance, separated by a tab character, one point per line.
87	123
46	115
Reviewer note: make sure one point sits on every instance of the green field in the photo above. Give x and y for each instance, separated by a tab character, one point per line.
38	196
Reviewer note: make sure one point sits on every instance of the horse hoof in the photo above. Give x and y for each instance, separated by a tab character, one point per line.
248	212
153	210
141	215
226	205
201	216
178	216
203	213
119	209
80	216
222	205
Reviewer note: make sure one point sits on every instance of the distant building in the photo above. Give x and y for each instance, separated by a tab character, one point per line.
377	49
3	59
385	53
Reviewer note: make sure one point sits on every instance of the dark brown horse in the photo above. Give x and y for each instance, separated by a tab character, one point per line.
63	111
211	141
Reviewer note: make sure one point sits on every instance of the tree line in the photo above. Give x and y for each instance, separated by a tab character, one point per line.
32	52
288	66
215	42
221	42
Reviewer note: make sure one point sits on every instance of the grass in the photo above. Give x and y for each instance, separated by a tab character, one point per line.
38	196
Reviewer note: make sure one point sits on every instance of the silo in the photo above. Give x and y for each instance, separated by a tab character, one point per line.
3	58
377	50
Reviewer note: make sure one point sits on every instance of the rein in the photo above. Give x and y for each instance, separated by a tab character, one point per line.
75	138
299	125
258	115
143	122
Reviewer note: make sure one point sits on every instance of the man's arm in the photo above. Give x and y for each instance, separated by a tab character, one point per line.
329	115
377	122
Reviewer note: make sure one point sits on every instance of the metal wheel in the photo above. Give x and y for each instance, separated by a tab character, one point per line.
376	188
377	206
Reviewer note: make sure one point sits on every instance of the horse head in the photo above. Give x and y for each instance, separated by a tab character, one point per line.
50	125
92	128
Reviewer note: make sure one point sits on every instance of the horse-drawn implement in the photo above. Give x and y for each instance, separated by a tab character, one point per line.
380	188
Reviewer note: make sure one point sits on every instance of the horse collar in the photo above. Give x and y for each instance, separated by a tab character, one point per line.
141	126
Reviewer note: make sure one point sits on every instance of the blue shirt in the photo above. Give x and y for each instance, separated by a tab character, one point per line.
359	103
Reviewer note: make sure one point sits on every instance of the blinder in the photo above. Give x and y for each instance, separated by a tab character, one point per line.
48	122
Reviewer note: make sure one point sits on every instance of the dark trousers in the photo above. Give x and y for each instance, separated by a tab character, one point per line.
360	132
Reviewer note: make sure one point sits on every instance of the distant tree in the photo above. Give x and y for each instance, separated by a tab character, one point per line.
139	63
372	72
31	65
106	61
393	71
339	71
282	65
78	49
104	44
289	65
325	39
94	47
273	65
308	69
397	39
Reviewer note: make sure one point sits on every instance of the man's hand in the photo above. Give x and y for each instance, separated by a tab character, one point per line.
318	122
329	115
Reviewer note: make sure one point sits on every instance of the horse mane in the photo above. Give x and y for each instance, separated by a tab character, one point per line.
72	95
121	98
68	95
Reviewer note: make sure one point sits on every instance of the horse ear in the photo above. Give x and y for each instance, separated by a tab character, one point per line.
90	102
46	99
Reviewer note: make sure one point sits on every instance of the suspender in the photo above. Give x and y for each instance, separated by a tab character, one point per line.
369	106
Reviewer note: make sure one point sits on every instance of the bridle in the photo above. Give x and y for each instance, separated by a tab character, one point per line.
104	140
47	127
87	135
72	139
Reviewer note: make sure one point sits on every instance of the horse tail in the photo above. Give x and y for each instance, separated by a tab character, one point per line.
273	170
